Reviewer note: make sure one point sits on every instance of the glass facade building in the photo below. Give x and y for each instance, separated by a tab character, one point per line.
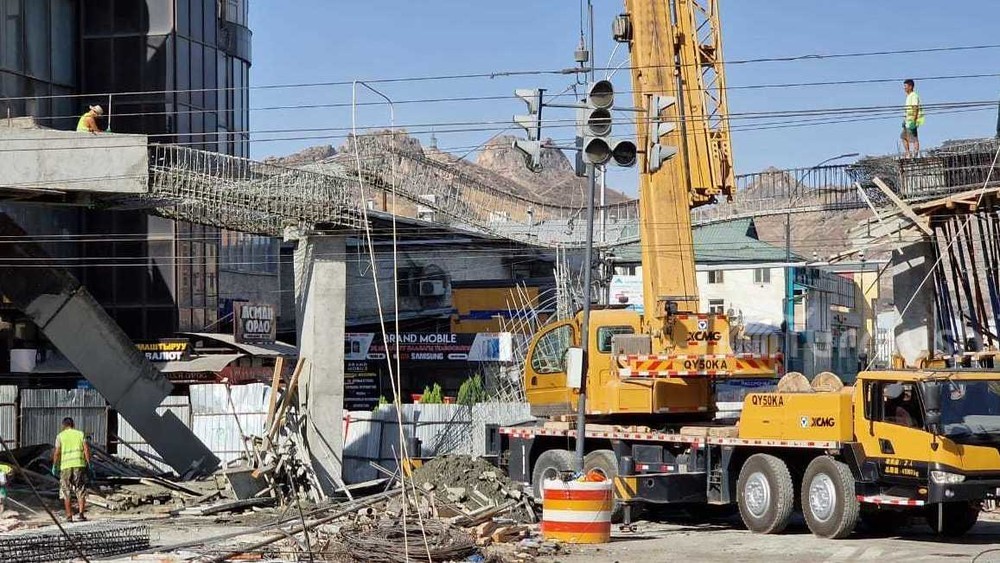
176	70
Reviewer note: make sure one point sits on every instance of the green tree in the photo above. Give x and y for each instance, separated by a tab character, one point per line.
432	395
472	391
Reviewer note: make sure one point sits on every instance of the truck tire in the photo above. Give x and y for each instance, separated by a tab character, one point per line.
884	522
765	494
959	518
606	463
829	504
548	466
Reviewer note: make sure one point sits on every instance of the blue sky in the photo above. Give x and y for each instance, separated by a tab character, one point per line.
312	41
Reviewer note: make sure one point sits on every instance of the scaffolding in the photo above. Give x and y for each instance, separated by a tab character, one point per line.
261	198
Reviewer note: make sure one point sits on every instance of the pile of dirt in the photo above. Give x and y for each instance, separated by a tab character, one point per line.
468	480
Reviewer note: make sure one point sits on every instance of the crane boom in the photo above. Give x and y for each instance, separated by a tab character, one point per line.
664	363
676	50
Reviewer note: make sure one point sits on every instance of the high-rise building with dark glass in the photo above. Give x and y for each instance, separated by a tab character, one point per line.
176	70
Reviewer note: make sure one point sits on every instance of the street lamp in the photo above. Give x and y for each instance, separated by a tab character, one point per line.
789	271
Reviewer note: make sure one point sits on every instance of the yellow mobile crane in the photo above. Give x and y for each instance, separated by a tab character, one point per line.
662	362
896	444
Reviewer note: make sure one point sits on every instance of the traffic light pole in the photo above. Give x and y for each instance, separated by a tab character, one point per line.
588	267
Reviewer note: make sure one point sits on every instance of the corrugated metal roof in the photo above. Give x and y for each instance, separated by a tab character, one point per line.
208	363
756	329
274	349
720	243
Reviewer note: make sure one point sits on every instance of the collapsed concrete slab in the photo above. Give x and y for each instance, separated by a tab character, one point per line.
83	332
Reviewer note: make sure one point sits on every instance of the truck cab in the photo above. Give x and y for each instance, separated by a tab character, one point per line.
932	436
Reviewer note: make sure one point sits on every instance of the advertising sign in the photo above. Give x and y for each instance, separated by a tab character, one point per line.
361	386
430	347
166	349
254	323
627	290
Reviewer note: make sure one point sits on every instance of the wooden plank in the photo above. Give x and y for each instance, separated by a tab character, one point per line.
287	400
279	366
906	209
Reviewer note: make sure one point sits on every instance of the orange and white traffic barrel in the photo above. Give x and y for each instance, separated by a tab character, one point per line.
577	511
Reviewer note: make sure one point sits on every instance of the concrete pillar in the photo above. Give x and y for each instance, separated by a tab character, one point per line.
320	293
915	332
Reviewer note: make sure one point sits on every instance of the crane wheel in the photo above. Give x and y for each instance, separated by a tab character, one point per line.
548	466
959	518
765	494
829	504
606	463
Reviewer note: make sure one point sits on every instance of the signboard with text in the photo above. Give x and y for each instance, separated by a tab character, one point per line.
430	347
362	386
165	350
254	323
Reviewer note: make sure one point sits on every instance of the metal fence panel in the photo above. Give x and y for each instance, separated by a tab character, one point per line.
373	436
42	412
179	405
8	415
221	420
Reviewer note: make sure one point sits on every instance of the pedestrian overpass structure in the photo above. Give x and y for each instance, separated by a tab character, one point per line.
125	171
319	205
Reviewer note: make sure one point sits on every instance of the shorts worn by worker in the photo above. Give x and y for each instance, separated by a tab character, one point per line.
909	134
73	482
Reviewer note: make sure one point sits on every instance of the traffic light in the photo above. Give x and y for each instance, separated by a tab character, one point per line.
657	153
532	124
596	122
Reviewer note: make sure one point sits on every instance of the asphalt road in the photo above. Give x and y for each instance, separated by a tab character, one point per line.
728	541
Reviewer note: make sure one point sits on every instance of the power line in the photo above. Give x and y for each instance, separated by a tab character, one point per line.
530	72
511	97
878	114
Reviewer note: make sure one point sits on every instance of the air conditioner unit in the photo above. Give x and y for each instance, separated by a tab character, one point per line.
432	288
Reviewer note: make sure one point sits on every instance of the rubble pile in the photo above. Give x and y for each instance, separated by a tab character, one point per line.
473	484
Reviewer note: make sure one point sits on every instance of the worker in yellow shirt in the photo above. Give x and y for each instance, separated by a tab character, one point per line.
913	118
88	121
5	472
72	457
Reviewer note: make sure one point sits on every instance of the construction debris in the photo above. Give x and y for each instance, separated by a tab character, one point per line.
413	539
277	464
472	484
93	539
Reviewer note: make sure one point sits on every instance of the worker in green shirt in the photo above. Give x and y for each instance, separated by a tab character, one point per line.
5	471
72	457
913	118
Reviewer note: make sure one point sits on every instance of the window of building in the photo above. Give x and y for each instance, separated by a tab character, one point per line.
549	355
762	275
716	306
715	276
606	333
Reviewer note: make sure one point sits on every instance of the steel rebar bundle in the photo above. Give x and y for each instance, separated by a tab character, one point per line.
384	542
95	539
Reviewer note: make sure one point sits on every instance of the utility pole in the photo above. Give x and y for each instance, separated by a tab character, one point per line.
588	266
